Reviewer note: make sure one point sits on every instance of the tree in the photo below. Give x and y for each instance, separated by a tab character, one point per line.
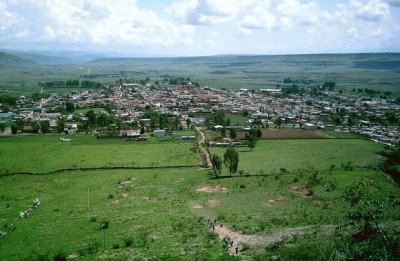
223	132
278	122
142	130
188	122
91	115
69	106
252	142
231	160
2	127
14	128
259	133
217	164
60	125
45	126
233	133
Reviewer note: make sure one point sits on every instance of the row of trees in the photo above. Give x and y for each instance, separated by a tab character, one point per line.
72	84
230	160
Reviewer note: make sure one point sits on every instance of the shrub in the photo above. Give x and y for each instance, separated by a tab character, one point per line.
128	242
115	246
110	196
242	186
93	219
60	256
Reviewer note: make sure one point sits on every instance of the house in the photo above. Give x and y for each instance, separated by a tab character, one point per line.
72	127
159	133
133	133
309	127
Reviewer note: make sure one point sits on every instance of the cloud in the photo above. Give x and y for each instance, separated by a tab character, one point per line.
203	12
279	15
373	11
102	22
394	3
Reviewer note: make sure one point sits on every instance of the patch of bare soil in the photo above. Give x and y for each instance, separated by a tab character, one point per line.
197	206
303	191
214	202
115	202
73	256
125	183
271	202
125	195
210	189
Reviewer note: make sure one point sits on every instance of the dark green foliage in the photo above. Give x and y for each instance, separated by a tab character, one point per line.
69	106
233	133
231	160
2	127
128	242
14	128
217	164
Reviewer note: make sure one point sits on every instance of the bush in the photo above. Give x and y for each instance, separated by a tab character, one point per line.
115	246
60	256
128	242
242	186
93	219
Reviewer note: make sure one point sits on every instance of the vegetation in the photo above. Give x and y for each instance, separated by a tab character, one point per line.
231	160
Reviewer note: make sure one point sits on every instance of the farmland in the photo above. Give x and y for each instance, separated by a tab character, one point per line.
233	72
161	213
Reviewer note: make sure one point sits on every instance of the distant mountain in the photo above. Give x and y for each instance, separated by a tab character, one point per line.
10	60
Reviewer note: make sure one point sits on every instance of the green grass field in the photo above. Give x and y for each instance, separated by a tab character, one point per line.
160	214
46	153
270	156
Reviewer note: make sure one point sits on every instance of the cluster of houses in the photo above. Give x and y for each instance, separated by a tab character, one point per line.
190	105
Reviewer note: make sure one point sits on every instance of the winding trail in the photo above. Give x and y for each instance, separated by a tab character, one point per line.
238	238
202	150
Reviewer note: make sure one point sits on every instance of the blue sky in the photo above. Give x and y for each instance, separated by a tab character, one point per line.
201	27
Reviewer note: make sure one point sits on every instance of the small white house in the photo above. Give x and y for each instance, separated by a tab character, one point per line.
309	127
159	133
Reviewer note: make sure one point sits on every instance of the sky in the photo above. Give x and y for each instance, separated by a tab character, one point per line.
201	27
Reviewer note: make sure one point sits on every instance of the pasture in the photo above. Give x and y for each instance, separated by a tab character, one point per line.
270	156
46	153
162	213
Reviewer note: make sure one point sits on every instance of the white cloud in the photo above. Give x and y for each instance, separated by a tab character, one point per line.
203	12
374	10
98	22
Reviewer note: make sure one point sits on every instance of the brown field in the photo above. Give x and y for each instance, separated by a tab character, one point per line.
277	134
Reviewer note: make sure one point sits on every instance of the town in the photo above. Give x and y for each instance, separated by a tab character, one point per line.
131	109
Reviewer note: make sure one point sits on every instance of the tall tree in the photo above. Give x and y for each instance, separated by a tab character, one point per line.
233	133
69	106
91	118
217	164
2	127
252	142
231	160
60	125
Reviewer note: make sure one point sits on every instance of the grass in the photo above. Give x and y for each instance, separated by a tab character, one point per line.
236	119
85	110
270	156
153	210
47	153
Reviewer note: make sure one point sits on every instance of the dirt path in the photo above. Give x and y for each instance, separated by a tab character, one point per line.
203	151
238	239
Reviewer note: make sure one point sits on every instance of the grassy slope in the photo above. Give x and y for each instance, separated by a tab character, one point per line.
46	153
